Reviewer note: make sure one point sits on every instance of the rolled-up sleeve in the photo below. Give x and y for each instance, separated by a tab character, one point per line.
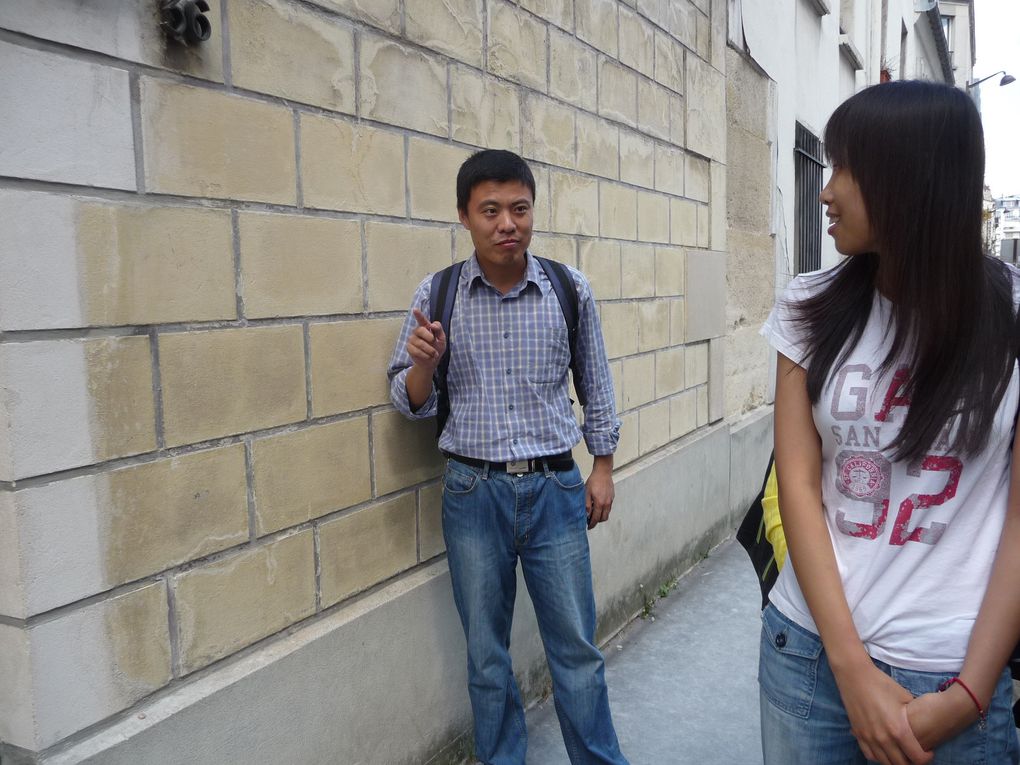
400	361
601	426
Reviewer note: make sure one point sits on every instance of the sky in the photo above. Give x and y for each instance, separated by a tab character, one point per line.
998	47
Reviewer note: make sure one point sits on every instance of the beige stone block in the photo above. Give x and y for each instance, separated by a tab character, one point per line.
599	260
638	271
275	45
233	602
696	178
654	109
637	159
201	142
404	451
518	46
680	20
719	32
628	449
637	49
69	403
652	9
704	226
638	380
746	370
669	372
12	585
575	204
683	414
677	122
617	92
750	201
716	380
669	62
366	547
485	111
296	265
683	222
402	86
399	257
696	365
653	323
677	321
670	267
598	146
598	24
706	295
453	27
669	169
74	538
617	211
572	71
718	207
703	41
654	422
559	12
432	179
548	131
559	248
703	406
348	365
542	211
464	246
126	31
706	110
430	522
702	5
384	14
652	217
153	265
618	323
221	382
79	667
351	167
308	473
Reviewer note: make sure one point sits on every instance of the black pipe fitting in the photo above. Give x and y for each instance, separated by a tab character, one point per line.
185	20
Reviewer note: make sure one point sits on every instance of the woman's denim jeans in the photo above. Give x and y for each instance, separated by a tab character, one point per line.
803	721
489	520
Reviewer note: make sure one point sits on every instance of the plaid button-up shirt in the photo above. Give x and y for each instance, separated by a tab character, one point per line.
509	368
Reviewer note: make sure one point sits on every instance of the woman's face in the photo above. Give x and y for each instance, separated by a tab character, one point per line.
848	218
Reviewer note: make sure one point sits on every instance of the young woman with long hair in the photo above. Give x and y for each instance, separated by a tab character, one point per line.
896	398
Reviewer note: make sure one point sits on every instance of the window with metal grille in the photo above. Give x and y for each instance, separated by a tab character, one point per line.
808	215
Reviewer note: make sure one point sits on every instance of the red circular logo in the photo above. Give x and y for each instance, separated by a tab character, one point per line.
861	476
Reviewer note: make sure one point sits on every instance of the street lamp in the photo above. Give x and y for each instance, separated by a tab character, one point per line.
1006	79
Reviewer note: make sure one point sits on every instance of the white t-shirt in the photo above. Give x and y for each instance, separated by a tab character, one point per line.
915	543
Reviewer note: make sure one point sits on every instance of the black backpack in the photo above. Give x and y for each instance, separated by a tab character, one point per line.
444	294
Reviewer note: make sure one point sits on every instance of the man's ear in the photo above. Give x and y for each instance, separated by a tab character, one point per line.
462	214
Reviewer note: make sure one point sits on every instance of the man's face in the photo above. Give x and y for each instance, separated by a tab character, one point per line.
499	217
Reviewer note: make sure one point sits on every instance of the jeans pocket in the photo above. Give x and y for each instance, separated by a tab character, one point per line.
568	479
459	479
788	663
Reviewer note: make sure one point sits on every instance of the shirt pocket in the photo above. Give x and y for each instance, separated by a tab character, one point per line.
788	663
547	359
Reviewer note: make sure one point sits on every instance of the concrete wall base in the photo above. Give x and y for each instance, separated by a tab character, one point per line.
383	680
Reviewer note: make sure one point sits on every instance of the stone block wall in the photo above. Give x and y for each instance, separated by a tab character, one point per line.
205	256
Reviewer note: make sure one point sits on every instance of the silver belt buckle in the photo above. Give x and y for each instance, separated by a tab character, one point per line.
518	466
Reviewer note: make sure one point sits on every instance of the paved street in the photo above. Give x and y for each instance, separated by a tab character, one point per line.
683	687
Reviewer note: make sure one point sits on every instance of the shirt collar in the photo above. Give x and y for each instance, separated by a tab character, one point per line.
533	274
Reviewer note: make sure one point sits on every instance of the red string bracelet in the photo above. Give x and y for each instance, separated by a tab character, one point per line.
945	686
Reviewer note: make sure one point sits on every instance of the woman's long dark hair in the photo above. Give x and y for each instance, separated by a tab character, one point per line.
916	150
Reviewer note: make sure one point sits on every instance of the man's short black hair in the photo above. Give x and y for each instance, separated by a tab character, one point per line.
491	165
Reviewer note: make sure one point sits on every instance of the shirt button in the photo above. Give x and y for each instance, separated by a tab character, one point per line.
510	407
506	335
508	371
515	440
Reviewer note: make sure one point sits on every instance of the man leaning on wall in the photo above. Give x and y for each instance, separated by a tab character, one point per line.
511	488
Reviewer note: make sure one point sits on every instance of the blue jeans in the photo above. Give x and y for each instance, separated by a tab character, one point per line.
489	520
803	721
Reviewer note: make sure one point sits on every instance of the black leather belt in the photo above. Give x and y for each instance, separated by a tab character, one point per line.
562	461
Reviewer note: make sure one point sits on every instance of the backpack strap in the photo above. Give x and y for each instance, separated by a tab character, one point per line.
442	296
566	293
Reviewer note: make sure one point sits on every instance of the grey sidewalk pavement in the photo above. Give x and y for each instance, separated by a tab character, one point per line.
683	688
